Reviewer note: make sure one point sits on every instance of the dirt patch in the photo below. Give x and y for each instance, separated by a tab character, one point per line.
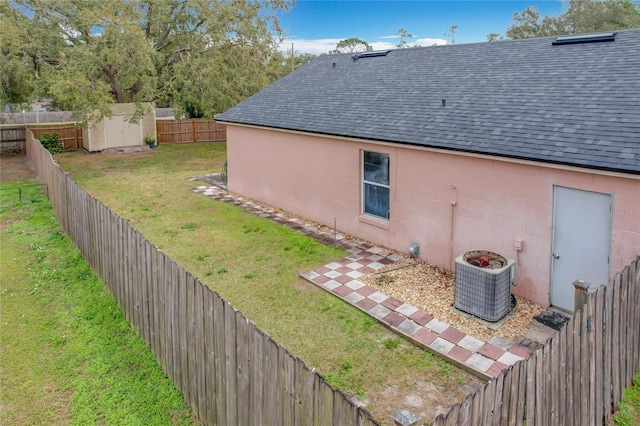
421	397
433	290
126	150
15	167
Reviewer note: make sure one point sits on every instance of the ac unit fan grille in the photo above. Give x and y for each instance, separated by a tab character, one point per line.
484	294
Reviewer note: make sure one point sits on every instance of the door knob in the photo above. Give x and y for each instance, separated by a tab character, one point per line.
556	256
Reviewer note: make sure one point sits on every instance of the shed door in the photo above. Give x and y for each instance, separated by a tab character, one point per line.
131	132
581	242
120	132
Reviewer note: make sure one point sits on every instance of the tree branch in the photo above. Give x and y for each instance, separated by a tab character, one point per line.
167	30
147	32
113	80
175	56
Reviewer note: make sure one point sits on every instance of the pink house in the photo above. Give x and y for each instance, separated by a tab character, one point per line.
527	148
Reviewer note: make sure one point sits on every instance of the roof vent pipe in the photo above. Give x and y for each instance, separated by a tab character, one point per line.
444	102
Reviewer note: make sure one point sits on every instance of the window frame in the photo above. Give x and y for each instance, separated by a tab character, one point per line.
365	182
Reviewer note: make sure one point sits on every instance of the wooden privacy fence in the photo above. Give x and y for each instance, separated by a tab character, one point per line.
192	130
578	377
36	117
69	133
12	137
229	371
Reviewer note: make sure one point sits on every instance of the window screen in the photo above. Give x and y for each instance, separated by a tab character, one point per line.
375	184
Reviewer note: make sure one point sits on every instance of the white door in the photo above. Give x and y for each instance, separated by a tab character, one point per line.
581	242
131	132
121	132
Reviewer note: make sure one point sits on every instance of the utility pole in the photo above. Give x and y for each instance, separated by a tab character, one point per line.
292	58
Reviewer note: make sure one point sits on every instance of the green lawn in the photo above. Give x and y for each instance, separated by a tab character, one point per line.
254	264
628	413
68	356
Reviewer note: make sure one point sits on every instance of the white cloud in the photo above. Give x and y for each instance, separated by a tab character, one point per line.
382	45
429	42
325	45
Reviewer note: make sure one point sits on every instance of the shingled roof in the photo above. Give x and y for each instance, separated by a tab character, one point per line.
575	103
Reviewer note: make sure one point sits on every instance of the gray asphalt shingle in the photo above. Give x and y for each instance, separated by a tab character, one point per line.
575	104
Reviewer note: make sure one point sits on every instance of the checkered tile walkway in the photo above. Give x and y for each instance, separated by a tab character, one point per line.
340	278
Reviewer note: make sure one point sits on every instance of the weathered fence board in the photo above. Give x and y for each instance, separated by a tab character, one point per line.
304	392
570	373
323	403
624	296
635	277
615	358
464	415
189	361
628	358
478	397
607	397
498	400
243	359
597	347
200	360
521	393
220	362
256	396
230	340
208	414
288	392
12	138
506	396
272	376
577	369
541	389
561	371
180	330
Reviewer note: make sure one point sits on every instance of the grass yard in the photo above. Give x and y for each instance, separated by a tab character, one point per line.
254	264
68	356
628	413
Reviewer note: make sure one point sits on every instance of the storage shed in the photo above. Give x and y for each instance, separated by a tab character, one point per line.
118	131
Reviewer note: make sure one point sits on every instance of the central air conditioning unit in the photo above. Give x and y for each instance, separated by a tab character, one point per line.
483	284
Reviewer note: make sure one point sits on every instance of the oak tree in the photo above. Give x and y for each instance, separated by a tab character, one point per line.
84	55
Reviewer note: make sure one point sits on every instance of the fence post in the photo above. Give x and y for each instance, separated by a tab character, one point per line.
582	289
195	130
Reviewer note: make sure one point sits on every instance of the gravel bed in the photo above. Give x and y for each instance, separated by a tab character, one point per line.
432	290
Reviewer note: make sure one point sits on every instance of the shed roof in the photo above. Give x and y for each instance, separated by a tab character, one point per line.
569	103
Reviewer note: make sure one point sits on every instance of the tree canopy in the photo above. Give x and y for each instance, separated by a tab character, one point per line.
452	33
352	45
403	35
203	56
579	16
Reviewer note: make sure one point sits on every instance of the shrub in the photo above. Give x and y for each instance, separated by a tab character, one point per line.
52	142
149	140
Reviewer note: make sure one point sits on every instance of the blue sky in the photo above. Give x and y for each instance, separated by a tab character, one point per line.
315	26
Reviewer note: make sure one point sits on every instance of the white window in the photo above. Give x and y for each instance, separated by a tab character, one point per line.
375	184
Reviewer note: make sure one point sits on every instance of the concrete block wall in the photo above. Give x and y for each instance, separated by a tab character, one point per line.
448	203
